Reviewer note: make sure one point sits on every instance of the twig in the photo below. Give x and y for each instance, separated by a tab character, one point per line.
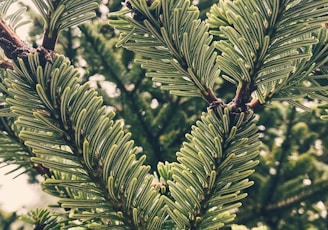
50	39
242	97
210	97
254	104
5	64
11	44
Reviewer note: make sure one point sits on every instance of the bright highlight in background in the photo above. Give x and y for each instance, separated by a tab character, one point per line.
16	194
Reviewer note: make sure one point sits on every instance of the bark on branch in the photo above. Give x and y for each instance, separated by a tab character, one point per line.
11	44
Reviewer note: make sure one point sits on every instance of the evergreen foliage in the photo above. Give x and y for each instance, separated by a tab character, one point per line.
54	123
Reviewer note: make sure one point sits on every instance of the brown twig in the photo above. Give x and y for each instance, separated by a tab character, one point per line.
240	102
11	44
50	39
5	64
242	97
210	96
6	31
254	104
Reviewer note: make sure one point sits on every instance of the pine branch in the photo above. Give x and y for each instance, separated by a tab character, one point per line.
59	129
157	32
285	150
266	46
62	14
314	193
212	170
85	143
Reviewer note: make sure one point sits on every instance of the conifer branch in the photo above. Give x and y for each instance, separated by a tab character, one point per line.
162	50
256	49
209	169
284	151
111	71
313	193
32	69
88	149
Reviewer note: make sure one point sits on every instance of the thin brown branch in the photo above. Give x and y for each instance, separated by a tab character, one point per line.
242	97
210	96
6	31
5	64
50	39
254	104
240	102
11	44
14	47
